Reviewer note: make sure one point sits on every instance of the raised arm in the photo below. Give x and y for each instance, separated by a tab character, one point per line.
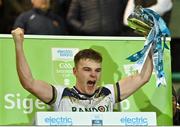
40	89
131	84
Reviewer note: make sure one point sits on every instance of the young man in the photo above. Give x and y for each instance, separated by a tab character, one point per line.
86	95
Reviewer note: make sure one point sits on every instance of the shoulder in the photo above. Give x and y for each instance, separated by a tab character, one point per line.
29	12
109	87
59	88
25	15
114	90
106	90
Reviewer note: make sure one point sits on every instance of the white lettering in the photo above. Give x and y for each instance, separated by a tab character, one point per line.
18	101
10	104
39	104
27	105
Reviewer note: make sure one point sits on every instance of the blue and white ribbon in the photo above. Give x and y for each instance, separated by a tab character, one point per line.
153	42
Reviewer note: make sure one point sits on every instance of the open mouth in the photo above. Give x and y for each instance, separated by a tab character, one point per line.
91	83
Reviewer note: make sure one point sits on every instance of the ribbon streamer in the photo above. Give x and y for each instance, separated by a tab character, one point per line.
153	43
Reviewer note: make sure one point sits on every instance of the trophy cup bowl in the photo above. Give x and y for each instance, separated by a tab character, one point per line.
140	21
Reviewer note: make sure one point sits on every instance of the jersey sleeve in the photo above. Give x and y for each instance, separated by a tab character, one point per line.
58	95
115	91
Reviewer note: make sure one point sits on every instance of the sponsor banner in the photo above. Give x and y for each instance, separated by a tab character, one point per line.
62	65
51	59
96	118
64	54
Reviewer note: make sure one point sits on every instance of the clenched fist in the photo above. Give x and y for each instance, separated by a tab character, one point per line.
18	35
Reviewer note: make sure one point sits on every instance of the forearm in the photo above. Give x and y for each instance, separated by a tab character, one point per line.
75	24
132	83
72	19
73	15
147	69
23	69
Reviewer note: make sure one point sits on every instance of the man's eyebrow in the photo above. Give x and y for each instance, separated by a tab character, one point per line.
98	69
86	67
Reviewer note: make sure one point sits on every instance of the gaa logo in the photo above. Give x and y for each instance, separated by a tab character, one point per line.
62	65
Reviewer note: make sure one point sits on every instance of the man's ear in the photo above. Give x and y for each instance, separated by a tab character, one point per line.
74	70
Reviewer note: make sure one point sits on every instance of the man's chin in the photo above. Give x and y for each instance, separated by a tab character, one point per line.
91	90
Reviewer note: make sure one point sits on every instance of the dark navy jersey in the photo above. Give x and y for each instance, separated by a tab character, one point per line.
36	21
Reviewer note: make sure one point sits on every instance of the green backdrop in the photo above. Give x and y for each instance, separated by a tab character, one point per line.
50	59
